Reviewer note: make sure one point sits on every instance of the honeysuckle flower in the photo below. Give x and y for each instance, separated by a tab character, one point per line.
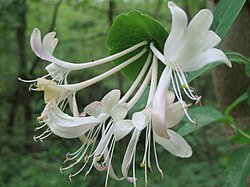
59	69
173	143
115	109
151	119
189	47
66	93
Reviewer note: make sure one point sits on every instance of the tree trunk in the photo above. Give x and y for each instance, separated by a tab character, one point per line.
230	83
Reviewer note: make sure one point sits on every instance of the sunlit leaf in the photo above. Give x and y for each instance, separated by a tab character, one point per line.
130	29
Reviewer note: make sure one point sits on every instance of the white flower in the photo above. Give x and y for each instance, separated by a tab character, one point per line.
59	69
174	143
107	111
189	47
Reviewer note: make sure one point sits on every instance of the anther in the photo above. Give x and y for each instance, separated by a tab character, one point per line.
184	86
198	101
150	167
70	177
195	124
35	138
162	175
142	165
61	170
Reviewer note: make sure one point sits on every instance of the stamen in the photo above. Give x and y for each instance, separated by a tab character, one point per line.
134	168
156	160
179	95
109	164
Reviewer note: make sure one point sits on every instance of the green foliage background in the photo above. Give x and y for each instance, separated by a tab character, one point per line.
82	28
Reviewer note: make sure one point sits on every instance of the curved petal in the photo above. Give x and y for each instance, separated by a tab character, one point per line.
199	25
179	24
141	119
94	109
176	145
110	99
159	104
119	111
170	97
174	114
122	128
36	43
192	48
56	72
67	126
49	42
208	57
101	167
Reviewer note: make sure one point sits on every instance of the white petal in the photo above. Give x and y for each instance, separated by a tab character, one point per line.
179	24
110	99
174	114
43	50
170	97
200	24
122	128
159	104
130	151
119	111
176	145
36	43
94	108
50	42
208	57
56	72
192	48
67	126
141	119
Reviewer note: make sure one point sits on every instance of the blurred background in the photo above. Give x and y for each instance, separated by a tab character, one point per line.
82	27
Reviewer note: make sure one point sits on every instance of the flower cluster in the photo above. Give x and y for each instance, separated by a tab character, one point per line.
102	124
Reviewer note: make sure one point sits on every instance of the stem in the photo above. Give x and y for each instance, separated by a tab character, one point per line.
239	100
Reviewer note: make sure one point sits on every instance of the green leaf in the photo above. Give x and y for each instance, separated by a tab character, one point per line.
240	139
247	70
204	116
238	168
239	100
130	29
237	57
225	14
248	96
193	75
